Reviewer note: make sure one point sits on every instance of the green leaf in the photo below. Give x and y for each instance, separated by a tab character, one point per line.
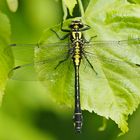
134	1
70	4
115	93
13	5
120	20
6	60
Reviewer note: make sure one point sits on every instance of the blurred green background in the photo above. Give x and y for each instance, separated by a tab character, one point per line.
27	111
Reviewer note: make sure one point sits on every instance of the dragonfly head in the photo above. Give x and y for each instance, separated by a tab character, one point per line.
76	25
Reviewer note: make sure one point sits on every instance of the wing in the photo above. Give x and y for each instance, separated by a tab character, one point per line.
102	43
131	45
111	58
25	52
49	68
46	57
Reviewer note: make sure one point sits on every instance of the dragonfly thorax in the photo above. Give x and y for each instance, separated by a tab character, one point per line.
76	36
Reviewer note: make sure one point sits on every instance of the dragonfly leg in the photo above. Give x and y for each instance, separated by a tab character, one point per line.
60	62
64	30
88	41
86	28
61	38
90	64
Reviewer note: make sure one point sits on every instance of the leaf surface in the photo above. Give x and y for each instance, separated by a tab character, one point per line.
115	92
120	96
13	5
70	4
6	59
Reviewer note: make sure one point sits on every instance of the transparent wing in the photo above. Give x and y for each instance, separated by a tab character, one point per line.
24	72
103	43
51	68
28	72
21	52
25	52
42	55
121	59
98	52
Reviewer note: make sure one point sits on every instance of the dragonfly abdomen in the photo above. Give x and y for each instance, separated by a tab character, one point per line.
78	118
77	54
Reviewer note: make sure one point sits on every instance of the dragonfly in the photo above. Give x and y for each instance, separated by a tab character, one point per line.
76	51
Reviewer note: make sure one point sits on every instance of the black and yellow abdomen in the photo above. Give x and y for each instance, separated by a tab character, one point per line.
77	54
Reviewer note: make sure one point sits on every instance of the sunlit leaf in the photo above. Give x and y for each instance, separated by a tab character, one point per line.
13	5
116	93
70	4
6	60
120	20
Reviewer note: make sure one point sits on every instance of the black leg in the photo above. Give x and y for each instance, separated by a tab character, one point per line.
90	39
90	64
61	38
60	62
86	28
64	30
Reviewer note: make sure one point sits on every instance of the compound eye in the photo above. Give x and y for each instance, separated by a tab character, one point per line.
81	25
71	25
